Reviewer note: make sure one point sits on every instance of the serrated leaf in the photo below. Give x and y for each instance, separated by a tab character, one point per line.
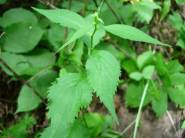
21	37
64	17
70	93
18	15
131	33
148	72
136	76
103	72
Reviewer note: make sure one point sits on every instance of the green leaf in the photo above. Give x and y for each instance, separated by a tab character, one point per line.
141	11
183	125
64	17
103	72
98	35
42	86
77	53
160	65
20	129
2	2
136	76
21	37
28	64
18	15
27	99
148	72
159	102
96	123
176	21
177	78
79	33
177	95
79	130
180	2
144	59
145	9
166	9
112	49
131	33
56	36
129	65
133	95
177	65
70	93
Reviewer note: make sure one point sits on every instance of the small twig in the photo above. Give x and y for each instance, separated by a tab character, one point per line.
47	3
171	121
2	34
23	81
114	12
38	73
128	127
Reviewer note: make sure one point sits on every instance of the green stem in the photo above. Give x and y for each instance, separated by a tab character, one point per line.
140	108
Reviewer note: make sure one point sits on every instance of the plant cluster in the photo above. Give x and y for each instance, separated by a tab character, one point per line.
65	56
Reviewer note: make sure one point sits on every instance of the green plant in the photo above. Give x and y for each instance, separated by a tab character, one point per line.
20	128
164	80
178	24
91	78
67	58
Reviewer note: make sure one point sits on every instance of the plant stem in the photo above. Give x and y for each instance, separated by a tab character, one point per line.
128	127
140	108
92	37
